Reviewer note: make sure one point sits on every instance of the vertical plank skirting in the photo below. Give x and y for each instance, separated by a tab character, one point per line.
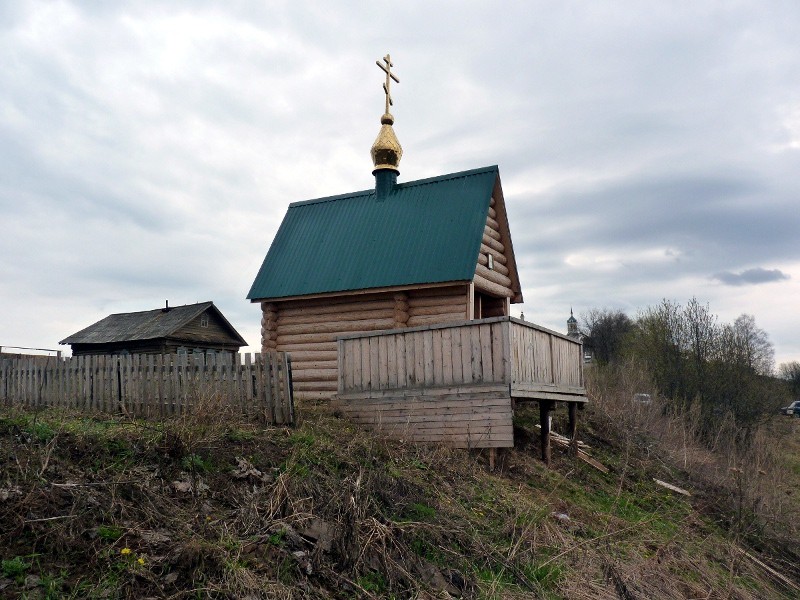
465	416
147	385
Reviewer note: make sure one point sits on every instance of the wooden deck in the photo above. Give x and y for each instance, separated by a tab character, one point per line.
455	383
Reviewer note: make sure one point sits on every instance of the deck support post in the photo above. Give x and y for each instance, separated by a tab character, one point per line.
573	428
545	407
492	458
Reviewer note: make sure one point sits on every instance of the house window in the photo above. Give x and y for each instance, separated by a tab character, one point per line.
204	321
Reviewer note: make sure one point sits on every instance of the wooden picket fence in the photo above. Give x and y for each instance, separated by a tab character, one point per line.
150	385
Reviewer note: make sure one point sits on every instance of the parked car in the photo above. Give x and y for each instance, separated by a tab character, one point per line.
792	409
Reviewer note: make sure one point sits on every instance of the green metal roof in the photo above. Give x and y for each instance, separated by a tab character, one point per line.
425	231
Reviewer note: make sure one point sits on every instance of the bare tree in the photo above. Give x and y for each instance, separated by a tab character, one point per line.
700	334
658	343
752	346
791	372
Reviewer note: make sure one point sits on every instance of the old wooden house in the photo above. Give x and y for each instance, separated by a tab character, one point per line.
172	329
396	300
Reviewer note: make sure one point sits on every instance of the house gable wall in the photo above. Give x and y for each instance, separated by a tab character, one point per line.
216	331
496	272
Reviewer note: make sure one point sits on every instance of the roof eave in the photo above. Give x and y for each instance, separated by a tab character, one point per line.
360	292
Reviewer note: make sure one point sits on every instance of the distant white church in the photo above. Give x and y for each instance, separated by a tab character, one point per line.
572	331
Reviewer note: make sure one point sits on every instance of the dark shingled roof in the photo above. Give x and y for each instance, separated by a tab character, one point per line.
426	231
144	325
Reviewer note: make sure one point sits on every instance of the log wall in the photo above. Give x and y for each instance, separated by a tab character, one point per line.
494	281
437	305
308	328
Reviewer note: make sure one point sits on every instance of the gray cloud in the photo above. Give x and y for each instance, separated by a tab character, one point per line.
750	276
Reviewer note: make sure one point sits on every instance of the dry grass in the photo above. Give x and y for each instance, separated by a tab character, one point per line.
742	479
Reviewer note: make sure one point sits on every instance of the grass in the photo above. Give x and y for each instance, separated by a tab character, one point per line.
109	533
15	568
195	463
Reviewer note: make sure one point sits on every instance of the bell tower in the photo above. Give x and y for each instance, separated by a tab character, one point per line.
572	326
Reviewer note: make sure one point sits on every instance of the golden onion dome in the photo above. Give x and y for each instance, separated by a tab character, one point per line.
386	151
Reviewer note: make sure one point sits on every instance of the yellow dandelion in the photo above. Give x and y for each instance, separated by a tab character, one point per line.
140	560
125	551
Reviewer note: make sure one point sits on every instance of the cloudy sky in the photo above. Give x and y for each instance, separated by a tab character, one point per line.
148	150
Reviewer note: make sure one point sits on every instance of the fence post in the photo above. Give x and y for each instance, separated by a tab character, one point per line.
272	391
276	373
158	372
288	397
259	392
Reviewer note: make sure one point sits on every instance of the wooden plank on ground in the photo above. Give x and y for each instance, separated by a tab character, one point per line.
671	487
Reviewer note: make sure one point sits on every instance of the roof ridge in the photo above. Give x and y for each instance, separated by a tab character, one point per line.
171	308
405	184
447	176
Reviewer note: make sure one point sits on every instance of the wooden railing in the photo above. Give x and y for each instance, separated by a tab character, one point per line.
154	385
544	364
534	361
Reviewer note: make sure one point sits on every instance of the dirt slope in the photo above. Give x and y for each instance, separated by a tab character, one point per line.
215	507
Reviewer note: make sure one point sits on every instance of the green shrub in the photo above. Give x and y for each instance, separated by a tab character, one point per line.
15	568
196	464
109	533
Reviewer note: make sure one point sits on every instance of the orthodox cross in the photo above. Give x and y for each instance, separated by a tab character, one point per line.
387	68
